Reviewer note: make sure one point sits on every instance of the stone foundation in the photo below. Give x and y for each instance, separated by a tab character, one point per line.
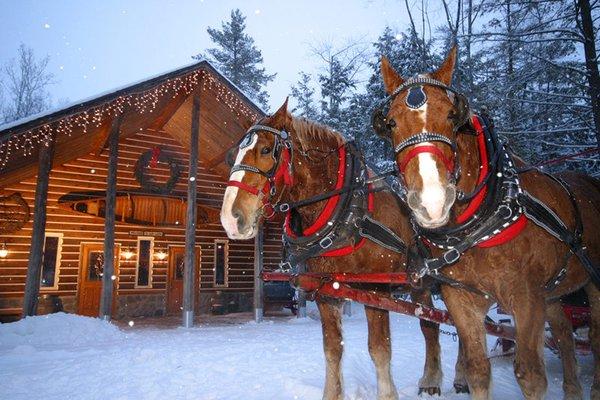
148	305
220	302
140	305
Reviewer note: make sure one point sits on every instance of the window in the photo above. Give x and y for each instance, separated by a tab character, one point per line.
221	262
51	261
143	272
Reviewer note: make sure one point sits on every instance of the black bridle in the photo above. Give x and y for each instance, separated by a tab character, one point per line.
415	99
281	170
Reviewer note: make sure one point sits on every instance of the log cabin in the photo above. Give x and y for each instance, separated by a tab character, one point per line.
110	207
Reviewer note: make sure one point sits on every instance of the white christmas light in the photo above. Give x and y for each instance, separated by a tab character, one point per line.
26	141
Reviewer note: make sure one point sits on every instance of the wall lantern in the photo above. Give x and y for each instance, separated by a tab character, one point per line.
161	254
127	254
3	251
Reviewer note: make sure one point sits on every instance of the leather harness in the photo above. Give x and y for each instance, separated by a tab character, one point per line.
498	202
346	221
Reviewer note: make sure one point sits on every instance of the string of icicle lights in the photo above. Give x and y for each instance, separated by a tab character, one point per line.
146	101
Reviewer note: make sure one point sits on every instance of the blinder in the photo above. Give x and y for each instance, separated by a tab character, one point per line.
281	170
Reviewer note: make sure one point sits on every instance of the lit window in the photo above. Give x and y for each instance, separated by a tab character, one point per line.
143	273
221	262
51	261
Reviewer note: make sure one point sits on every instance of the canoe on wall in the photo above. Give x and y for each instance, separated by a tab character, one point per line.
131	207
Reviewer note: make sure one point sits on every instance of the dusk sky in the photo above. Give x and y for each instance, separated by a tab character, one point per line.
98	45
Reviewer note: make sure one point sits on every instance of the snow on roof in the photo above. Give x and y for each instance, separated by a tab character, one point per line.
124	88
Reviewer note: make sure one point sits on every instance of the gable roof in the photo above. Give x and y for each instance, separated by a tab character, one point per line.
162	102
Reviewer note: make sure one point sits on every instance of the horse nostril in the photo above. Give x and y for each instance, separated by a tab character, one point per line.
241	221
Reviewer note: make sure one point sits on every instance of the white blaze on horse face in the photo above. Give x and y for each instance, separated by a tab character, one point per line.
228	221
433	194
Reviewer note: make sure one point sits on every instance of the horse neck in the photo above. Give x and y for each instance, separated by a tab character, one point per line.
314	173
470	162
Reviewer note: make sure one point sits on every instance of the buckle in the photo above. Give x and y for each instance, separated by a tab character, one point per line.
285	207
326	242
451	256
284	266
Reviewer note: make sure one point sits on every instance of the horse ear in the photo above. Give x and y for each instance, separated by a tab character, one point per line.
445	71
282	117
391	78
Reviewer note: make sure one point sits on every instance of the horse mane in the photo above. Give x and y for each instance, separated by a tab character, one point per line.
310	133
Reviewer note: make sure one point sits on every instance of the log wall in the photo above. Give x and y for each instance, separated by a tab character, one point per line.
89	173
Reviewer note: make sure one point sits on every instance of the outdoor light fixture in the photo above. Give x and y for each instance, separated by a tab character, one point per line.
3	251
161	255
127	254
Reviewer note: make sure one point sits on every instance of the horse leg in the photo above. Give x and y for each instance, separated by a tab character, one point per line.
529	351
431	380
381	351
460	372
468	312
594	300
331	323
562	333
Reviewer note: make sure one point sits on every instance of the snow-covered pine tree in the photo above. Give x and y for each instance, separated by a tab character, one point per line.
338	78
304	93
404	52
535	82
239	59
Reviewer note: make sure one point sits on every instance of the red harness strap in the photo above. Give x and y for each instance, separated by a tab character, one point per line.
328	211
512	230
427	149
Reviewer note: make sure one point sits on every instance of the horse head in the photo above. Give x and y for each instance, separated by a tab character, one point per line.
423	117
260	166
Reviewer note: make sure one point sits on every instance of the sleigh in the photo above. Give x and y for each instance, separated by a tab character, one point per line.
339	286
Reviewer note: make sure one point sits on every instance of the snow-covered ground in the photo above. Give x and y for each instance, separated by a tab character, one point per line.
65	356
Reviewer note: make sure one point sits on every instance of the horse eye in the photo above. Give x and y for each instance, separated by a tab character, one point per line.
265	150
391	123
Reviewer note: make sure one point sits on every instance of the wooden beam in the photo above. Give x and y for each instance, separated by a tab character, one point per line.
101	140
190	224
258	267
168	111
213	162
34	267
109	223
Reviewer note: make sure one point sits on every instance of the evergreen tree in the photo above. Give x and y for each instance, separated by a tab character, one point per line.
404	52
239	59
304	94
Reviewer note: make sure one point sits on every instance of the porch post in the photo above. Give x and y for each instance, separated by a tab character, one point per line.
301	296
258	266
108	282
190	224
34	266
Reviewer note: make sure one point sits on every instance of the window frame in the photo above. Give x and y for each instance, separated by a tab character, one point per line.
151	262
225	243
57	264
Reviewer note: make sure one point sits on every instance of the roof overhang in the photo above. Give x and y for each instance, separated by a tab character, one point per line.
162	103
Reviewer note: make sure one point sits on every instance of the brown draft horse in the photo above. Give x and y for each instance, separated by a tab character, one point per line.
514	273
314	166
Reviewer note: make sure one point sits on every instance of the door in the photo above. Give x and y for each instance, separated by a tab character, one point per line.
175	284
91	267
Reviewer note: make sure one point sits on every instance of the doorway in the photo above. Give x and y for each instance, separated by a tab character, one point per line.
175	281
91	267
